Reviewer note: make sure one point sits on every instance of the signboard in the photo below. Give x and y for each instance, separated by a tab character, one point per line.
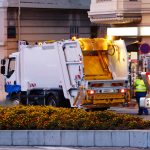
144	48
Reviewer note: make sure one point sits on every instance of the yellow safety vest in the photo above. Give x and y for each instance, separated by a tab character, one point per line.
139	86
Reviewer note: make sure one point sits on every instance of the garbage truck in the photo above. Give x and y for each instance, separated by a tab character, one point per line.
84	73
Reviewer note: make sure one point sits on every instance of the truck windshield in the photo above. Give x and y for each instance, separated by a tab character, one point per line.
11	67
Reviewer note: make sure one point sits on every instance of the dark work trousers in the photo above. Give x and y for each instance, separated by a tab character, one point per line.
141	109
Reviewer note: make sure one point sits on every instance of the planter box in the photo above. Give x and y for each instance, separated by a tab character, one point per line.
76	138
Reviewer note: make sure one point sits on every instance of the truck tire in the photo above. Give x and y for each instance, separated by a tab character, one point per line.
13	99
52	101
65	103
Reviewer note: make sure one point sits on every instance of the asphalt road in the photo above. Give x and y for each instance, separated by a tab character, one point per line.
67	148
132	110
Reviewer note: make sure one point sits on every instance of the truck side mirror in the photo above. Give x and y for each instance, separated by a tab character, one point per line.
3	70
3	62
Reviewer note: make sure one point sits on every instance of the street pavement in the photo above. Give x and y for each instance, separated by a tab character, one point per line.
132	109
65	148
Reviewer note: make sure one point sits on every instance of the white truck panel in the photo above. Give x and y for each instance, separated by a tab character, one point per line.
45	68
119	62
73	54
51	66
69	55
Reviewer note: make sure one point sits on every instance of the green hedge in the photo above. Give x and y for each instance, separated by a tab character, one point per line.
49	118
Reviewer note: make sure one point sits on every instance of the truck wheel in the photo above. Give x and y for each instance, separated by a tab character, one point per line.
65	103
52	101
14	99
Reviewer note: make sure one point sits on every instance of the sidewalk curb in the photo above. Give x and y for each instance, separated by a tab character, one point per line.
76	138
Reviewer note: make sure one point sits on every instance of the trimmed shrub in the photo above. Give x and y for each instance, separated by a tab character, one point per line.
50	118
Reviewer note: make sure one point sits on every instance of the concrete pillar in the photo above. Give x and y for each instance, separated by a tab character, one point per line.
3	45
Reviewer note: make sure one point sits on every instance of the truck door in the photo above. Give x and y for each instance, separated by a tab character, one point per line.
72	54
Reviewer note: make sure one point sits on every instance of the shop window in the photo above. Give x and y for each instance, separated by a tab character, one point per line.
11	32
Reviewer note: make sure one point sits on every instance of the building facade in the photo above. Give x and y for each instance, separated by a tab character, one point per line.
122	13
115	11
38	20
